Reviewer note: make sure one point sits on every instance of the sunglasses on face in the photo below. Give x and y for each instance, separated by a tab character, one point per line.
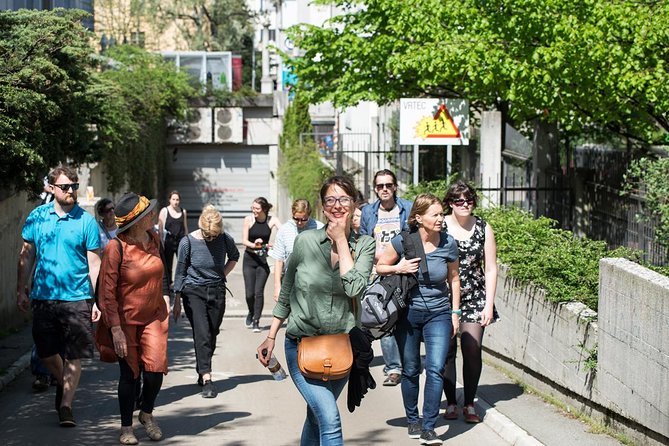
66	187
108	210
301	220
462	202
382	186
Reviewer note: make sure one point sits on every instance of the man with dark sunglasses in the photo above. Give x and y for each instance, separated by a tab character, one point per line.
383	220
61	242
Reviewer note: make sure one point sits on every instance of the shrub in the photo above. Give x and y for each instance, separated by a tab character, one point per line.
537	251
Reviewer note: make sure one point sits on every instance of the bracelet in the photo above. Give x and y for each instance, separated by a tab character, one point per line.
273	339
458	312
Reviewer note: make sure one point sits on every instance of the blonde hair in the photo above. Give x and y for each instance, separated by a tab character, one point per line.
301	205
211	222
420	206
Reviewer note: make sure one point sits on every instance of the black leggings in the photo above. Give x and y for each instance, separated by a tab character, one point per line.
256	272
127	391
171	245
471	336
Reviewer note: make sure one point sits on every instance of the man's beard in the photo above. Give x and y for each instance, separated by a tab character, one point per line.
67	200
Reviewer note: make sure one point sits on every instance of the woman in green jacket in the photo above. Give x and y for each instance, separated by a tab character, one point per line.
326	273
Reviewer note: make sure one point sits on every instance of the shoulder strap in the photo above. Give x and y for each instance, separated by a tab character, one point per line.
120	253
413	247
105	230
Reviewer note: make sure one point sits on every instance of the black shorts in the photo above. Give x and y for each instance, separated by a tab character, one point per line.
63	327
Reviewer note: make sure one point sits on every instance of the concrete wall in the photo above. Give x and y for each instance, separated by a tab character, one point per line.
13	213
548	345
633	371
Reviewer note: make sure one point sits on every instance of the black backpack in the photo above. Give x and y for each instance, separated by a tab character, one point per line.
387	297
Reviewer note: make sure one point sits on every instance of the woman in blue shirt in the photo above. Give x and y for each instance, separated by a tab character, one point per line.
432	315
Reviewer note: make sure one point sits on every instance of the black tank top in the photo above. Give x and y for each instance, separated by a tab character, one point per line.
260	230
174	226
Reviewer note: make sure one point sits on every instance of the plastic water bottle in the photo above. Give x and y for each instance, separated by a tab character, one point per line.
274	367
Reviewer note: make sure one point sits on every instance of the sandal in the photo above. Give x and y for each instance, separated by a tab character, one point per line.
470	414
451	412
127	436
152	428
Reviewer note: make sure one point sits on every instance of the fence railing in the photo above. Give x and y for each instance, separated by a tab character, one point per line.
617	218
551	197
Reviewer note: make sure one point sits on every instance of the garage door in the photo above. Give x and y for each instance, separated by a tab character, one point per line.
228	178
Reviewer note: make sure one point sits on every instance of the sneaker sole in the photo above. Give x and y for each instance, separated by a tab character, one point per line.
416	436
431	442
67	423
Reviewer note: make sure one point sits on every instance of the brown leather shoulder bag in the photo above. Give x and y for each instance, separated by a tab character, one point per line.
325	357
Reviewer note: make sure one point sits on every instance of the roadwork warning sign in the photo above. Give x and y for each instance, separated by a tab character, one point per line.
434	122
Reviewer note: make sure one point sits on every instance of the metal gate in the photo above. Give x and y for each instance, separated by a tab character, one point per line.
230	178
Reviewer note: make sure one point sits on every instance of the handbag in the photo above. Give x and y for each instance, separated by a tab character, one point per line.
325	357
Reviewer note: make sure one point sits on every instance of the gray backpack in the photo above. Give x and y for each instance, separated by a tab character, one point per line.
386	299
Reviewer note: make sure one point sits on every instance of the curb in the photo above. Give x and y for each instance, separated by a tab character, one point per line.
504	427
15	370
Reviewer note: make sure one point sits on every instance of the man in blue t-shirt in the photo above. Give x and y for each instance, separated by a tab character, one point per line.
383	220
61	242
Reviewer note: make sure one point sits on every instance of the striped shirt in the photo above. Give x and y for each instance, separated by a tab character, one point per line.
285	239
201	263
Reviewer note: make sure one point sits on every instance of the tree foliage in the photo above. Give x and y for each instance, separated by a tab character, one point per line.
302	170
652	176
45	110
205	25
59	103
583	63
136	98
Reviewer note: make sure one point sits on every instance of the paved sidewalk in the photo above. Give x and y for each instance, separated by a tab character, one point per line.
252	409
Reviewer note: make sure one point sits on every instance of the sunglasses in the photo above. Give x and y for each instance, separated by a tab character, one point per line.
382	186
301	220
66	187
462	201
111	209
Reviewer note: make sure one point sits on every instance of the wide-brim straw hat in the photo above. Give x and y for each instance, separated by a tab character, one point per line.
131	208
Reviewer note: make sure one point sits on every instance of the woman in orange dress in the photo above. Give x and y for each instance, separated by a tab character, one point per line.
134	301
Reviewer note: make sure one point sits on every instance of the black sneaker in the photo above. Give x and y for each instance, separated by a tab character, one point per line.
208	390
429	437
256	327
59	397
249	320
66	418
41	383
415	429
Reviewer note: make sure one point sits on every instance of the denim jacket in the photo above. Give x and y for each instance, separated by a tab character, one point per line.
370	215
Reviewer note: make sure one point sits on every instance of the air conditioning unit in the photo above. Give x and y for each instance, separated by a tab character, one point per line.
197	128
229	125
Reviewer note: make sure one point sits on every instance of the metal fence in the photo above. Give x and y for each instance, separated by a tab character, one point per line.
618	219
552	197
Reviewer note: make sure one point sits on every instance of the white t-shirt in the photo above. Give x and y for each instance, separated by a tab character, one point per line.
387	226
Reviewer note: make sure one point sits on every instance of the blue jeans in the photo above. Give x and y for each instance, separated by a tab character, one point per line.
435	329
391	355
323	424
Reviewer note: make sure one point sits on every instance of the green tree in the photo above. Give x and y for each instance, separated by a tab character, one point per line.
585	64
649	176
301	170
135	98
206	25
45	111
59	103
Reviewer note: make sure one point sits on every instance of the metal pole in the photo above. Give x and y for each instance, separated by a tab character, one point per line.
415	164
449	160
